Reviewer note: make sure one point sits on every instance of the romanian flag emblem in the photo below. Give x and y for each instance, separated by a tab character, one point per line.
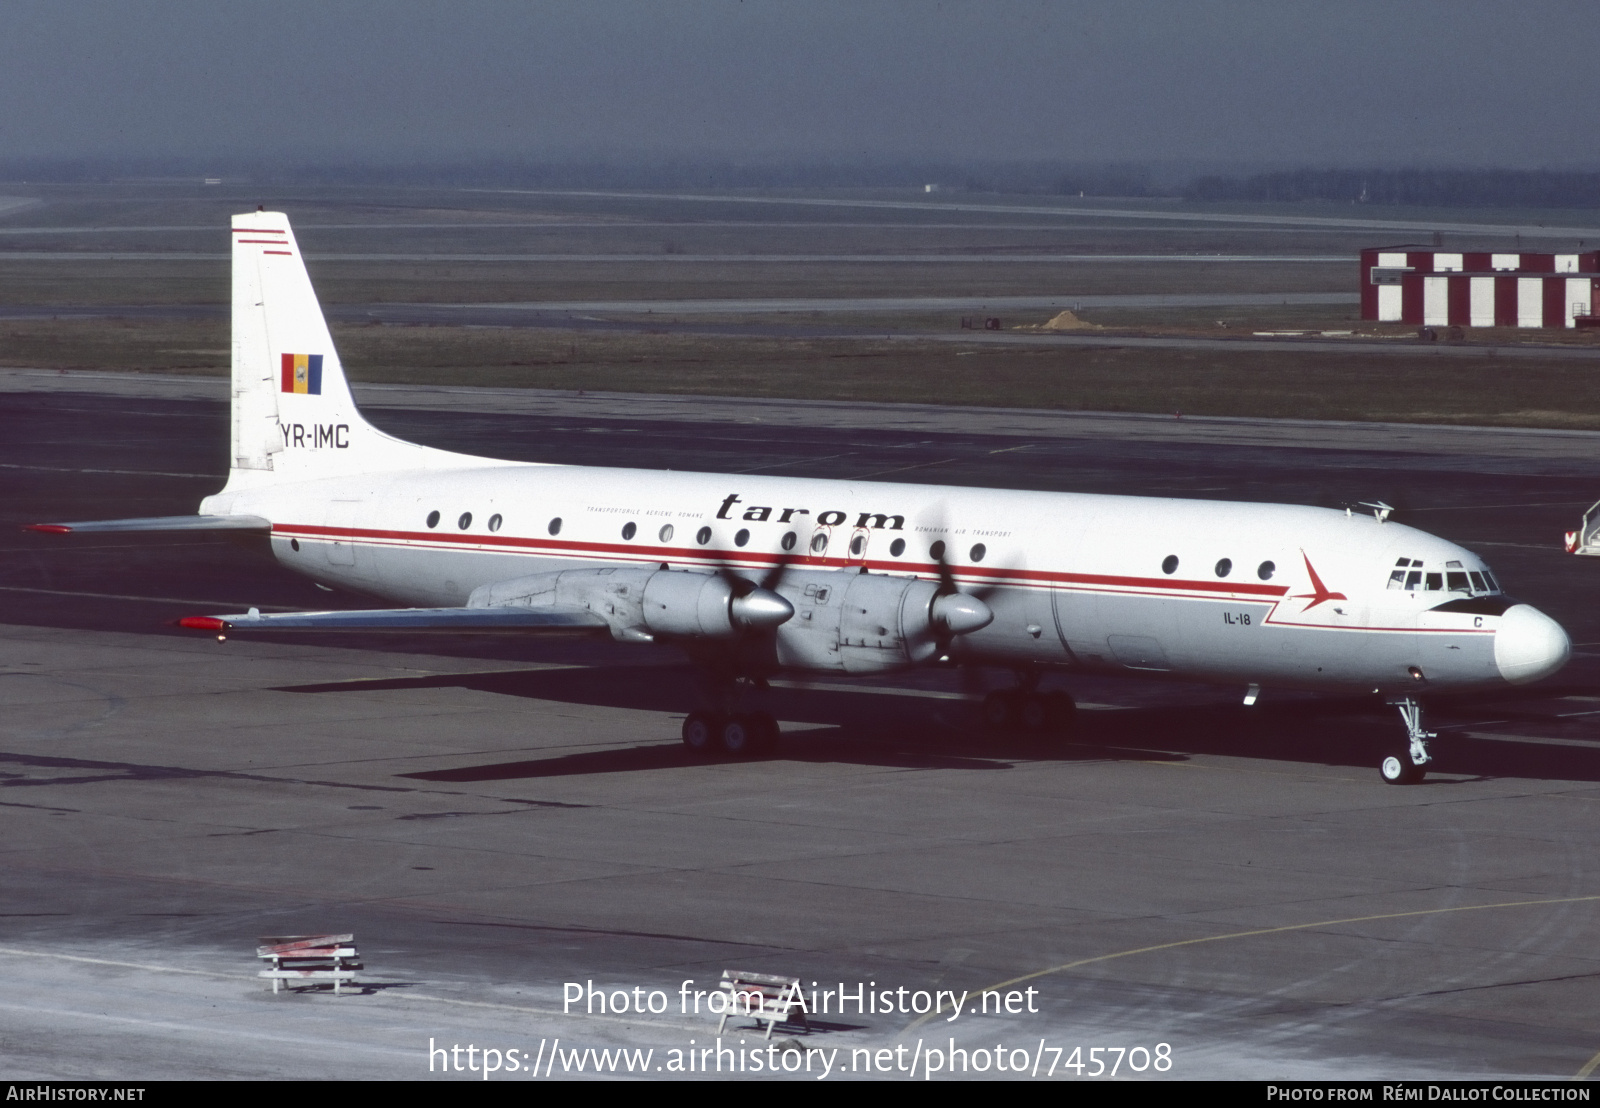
302	373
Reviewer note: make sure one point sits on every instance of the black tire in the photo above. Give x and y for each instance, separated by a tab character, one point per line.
739	736
1033	713
999	711
1062	712
1397	768
700	733
766	729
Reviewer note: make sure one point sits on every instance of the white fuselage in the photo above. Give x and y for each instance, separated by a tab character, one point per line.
1265	594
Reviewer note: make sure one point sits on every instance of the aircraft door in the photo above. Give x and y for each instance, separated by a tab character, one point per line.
340	516
1065	611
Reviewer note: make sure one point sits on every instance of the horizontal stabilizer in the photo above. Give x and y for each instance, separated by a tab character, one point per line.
157	523
404	620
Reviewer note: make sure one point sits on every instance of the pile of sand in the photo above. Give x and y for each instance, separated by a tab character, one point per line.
1066	321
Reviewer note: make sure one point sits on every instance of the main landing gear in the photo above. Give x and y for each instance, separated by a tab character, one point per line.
737	736
1025	708
1408	764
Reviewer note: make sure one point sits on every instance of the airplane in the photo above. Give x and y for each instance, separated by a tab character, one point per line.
755	575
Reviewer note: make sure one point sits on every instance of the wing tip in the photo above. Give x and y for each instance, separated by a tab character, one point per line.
202	623
48	528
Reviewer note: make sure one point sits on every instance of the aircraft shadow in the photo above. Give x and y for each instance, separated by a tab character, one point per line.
913	732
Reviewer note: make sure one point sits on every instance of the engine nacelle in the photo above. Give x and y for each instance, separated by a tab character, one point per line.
643	603
869	622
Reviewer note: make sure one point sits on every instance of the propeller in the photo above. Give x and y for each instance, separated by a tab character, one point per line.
953	611
755	605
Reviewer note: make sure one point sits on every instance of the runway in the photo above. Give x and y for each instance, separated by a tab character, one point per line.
495	820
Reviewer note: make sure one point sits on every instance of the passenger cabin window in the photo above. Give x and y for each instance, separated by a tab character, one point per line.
789	539
703	536
1265	571
665	534
495	521
629	530
819	542
1224	567
896	548
858	543
1169	564
555	526
742	537
977	552
936	551
433	519
465	521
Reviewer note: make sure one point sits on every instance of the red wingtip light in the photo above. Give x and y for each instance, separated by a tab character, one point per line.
48	528
203	623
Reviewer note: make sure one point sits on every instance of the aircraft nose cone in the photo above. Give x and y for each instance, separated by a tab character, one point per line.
1529	645
760	609
961	614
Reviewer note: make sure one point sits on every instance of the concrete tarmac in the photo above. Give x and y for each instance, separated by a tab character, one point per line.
496	820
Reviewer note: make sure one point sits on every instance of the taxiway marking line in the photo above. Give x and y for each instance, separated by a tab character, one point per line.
1588	1068
122	472
149	599
916	1023
17	953
1538	740
424	997
927	694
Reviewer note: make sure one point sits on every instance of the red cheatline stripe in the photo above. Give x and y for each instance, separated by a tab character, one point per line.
269	242
641	552
1137	586
283	252
257	231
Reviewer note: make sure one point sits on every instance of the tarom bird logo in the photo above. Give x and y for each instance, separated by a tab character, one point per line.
1321	594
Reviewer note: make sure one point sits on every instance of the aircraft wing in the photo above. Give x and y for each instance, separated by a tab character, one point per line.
403	620
157	523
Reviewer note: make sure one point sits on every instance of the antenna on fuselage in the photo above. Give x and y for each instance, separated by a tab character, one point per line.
1380	511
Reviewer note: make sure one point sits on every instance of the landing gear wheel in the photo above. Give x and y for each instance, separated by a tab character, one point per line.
999	711
765	728
1399	769
1033	712
700	732
739	737
1061	712
1407	764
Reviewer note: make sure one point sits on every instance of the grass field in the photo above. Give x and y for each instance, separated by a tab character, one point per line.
877	357
1309	385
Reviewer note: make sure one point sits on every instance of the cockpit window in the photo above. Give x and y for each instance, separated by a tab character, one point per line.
1410	574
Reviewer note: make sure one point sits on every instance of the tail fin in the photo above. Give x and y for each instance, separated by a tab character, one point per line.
293	416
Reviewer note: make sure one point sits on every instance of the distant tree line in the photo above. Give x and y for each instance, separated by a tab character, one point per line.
1463	188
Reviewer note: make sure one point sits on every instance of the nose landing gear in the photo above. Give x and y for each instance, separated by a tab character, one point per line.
1408	764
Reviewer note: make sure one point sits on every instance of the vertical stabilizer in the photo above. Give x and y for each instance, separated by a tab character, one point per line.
293	416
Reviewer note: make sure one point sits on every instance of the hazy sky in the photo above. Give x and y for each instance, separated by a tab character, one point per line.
1398	81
